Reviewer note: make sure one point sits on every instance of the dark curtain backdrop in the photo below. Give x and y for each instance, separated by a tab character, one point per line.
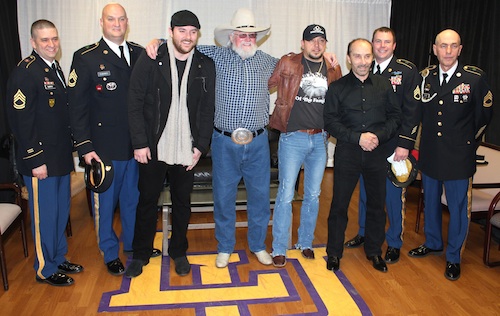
416	24
10	52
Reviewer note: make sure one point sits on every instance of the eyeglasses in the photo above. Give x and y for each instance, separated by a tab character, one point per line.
245	35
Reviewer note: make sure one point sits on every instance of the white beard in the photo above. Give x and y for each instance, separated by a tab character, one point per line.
244	54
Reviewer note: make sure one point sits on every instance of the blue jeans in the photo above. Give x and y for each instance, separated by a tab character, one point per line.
295	149
232	162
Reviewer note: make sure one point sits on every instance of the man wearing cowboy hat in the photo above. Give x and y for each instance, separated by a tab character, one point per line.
241	111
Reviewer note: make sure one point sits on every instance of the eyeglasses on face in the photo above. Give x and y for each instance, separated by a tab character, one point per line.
245	35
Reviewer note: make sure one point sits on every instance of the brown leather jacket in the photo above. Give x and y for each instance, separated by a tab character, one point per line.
286	77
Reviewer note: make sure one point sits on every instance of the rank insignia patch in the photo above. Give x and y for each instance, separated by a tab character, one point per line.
19	100
72	79
488	100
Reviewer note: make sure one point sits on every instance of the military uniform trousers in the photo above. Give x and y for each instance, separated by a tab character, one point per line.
49	203
458	193
122	189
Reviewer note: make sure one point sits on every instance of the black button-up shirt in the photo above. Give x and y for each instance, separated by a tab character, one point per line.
353	107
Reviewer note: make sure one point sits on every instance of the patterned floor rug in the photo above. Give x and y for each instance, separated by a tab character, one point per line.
237	289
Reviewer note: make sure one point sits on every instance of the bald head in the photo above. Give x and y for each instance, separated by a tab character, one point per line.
447	47
114	22
448	34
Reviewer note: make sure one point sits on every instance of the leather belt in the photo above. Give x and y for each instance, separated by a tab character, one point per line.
229	134
311	131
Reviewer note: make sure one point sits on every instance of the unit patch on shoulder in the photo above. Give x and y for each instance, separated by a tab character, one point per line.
406	63
19	100
72	78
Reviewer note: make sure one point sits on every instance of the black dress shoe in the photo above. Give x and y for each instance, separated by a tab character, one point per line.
452	271
155	253
392	255
115	267
333	263
355	242
57	279
423	251
182	266
68	268
378	263
135	268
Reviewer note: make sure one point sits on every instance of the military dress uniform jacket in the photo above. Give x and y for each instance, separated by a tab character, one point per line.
37	109
150	96
98	86
405	80
453	118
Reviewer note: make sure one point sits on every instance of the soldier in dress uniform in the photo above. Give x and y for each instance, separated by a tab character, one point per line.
38	116
456	107
98	86
405	80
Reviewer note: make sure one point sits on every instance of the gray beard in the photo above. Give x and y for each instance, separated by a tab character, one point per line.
244	54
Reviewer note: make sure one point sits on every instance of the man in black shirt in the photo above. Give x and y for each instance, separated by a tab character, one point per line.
362	112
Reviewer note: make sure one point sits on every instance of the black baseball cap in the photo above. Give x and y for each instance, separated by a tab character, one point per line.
185	18
313	31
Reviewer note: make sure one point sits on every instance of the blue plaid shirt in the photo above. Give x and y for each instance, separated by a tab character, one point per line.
242	95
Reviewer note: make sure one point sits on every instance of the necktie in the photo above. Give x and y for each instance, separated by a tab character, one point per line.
445	75
122	56
378	70
58	73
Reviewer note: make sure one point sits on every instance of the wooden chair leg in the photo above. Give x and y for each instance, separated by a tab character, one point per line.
3	266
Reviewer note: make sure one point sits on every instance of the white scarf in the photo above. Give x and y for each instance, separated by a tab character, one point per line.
175	145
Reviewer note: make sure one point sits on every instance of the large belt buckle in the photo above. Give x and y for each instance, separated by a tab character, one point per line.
241	136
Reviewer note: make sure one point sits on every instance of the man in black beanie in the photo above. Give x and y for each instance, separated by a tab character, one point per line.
169	139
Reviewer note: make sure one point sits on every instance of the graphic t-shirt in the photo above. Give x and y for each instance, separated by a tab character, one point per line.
307	111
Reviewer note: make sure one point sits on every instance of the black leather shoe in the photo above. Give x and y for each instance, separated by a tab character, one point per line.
68	268
423	251
57	279
135	268
182	266
355	242
452	271
392	255
156	253
115	267
333	263
378	263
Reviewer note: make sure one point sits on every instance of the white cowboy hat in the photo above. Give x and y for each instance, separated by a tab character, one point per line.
243	21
